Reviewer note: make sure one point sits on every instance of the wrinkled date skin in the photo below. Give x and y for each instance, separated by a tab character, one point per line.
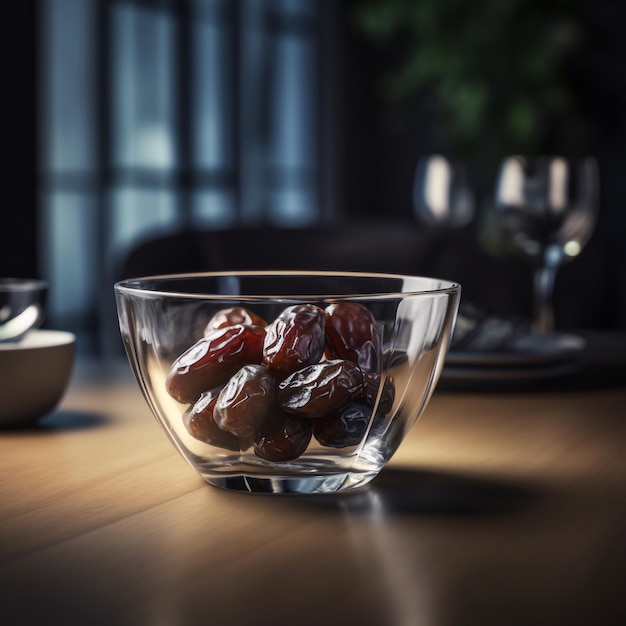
320	389
212	360
309	373
200	423
370	393
295	338
232	317
282	437
245	401
345	428
352	334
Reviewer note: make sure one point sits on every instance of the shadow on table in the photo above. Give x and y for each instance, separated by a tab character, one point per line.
62	420
424	492
430	492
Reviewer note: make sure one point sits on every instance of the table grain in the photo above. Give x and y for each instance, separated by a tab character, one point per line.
498	508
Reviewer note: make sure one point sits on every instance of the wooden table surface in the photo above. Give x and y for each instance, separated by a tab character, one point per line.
498	508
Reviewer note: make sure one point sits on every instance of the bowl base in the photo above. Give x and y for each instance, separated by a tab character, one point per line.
333	483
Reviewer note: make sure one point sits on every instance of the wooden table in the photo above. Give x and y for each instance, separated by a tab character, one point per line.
499	508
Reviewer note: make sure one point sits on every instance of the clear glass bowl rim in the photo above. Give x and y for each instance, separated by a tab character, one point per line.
138	287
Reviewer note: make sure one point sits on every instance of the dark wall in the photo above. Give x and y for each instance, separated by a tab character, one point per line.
605	102
383	141
18	191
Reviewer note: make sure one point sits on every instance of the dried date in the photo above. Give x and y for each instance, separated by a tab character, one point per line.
233	316
245	401
320	389
344	428
212	360
352	334
295	338
200	423
282	437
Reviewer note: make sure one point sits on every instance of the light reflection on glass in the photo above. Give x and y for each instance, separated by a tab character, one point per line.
558	185
441	193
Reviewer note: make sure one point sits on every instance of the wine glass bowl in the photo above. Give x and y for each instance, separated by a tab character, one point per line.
442	196
547	207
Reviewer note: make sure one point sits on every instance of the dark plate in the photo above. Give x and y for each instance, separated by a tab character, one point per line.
527	351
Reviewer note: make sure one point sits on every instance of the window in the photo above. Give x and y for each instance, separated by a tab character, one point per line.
169	114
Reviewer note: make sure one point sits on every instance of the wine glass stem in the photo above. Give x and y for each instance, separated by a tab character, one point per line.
543	320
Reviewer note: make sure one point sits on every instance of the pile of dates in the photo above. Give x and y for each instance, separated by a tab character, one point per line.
311	373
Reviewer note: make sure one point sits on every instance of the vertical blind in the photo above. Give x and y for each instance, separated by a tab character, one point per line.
159	115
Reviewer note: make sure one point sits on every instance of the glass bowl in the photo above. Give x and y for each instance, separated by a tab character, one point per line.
287	382
22	306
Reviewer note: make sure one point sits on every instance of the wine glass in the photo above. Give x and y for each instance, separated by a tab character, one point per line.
441	192
548	207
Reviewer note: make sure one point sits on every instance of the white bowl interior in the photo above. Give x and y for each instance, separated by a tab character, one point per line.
22	307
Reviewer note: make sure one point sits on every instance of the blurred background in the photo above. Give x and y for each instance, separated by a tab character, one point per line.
132	119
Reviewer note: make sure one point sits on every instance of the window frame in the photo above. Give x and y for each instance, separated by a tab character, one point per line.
185	178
